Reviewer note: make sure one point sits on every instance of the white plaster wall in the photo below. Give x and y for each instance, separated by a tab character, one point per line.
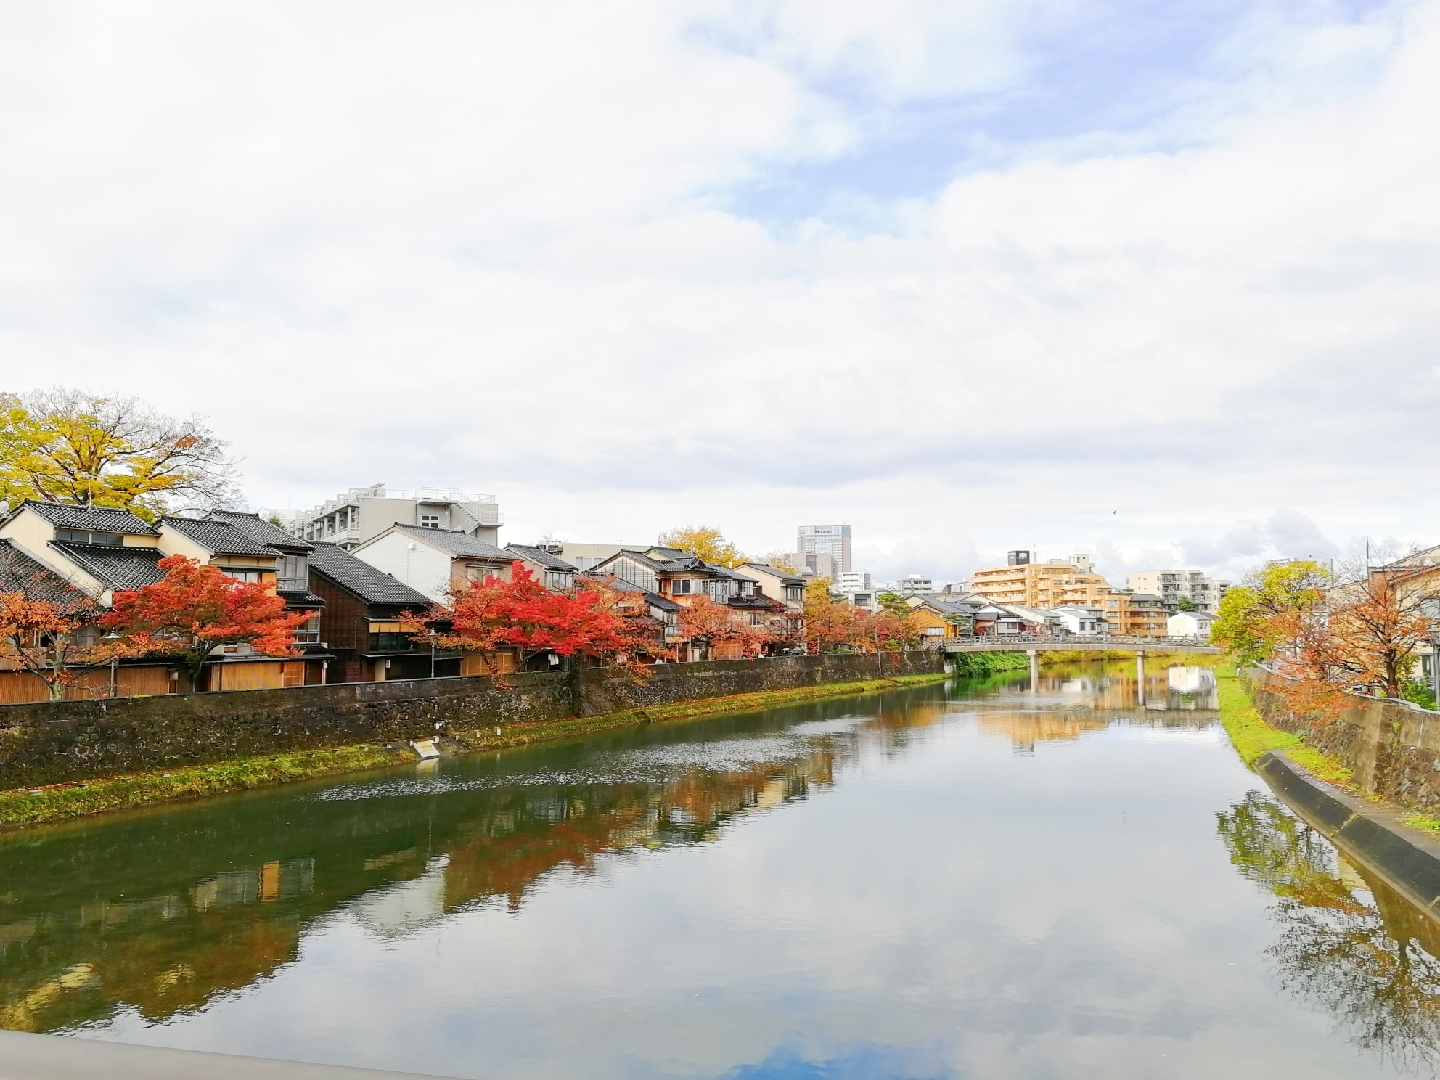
413	561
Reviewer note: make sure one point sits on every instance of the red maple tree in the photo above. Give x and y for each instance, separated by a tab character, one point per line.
718	625
198	607
57	643
521	614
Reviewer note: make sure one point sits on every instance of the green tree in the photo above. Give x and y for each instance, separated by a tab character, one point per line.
705	542
893	602
1258	618
71	446
1185	604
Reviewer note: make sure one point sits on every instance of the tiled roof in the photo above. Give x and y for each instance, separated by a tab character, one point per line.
359	577
20	573
257	528
786	576
725	572
90	518
218	536
457	543
299	598
759	600
542	557
115	567
664	603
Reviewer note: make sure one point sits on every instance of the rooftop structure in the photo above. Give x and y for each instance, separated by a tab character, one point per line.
360	514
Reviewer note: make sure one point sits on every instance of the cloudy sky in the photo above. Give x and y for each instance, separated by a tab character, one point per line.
1155	280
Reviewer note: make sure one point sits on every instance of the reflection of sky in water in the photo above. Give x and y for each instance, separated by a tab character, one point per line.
947	907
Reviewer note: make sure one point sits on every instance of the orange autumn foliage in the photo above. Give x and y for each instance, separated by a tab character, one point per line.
198	607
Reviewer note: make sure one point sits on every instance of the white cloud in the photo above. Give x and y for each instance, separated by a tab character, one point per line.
485	245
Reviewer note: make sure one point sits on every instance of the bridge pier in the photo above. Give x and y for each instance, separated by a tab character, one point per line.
1034	655
1140	675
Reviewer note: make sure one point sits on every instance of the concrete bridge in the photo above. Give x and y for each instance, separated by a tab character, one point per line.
1035	646
1109	644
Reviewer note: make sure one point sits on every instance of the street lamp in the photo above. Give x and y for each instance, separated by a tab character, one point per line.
112	637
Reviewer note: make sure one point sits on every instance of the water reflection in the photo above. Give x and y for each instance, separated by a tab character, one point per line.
388	858
1348	943
970	879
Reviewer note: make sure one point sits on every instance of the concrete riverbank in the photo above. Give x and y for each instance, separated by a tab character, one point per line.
51	1057
1324	790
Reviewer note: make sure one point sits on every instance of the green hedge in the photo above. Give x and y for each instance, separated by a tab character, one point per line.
988	663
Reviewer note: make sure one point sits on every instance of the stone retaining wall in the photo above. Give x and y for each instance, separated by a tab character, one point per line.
79	740
1392	747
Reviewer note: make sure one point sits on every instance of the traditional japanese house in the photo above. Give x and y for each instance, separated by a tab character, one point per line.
370	621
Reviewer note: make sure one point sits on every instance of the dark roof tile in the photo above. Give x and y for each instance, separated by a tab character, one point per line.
258	529
540	555
90	518
457	543
121	568
20	573
359	577
218	536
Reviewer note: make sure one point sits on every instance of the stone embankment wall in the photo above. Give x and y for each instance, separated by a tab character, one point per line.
1392	747
79	740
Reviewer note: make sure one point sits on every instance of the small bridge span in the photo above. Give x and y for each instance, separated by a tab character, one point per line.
1039	645
1035	646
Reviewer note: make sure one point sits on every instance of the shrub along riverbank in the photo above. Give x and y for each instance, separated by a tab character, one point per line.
60	802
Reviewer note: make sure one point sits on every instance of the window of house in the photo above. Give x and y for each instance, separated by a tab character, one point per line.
242	575
83	536
681	585
429	521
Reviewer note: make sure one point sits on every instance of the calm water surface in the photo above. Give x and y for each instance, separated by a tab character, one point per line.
963	880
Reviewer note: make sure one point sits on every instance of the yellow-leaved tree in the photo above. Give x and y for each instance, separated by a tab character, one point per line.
71	446
705	542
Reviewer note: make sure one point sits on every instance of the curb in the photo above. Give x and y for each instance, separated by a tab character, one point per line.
54	1057
1406	859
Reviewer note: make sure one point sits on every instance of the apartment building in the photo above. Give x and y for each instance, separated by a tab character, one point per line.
1025	581
361	514
1173	585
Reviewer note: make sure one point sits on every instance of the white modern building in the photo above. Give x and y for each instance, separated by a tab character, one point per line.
1190	624
361	514
1173	585
914	585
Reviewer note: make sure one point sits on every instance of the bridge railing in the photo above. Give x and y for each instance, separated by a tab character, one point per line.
1061	641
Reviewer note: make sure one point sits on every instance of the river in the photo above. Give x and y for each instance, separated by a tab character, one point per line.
968	879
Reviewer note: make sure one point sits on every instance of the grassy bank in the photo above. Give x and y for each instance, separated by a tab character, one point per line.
1252	736
59	802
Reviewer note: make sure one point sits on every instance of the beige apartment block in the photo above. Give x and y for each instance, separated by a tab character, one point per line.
1056	583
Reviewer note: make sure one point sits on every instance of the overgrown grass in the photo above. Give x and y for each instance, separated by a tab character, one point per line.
59	802
1252	736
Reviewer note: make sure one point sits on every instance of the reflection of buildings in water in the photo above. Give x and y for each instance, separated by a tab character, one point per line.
123	951
1187	679
1026	729
405	906
1348	943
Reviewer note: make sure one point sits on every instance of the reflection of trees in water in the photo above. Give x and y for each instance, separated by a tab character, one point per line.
1370	965
72	959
